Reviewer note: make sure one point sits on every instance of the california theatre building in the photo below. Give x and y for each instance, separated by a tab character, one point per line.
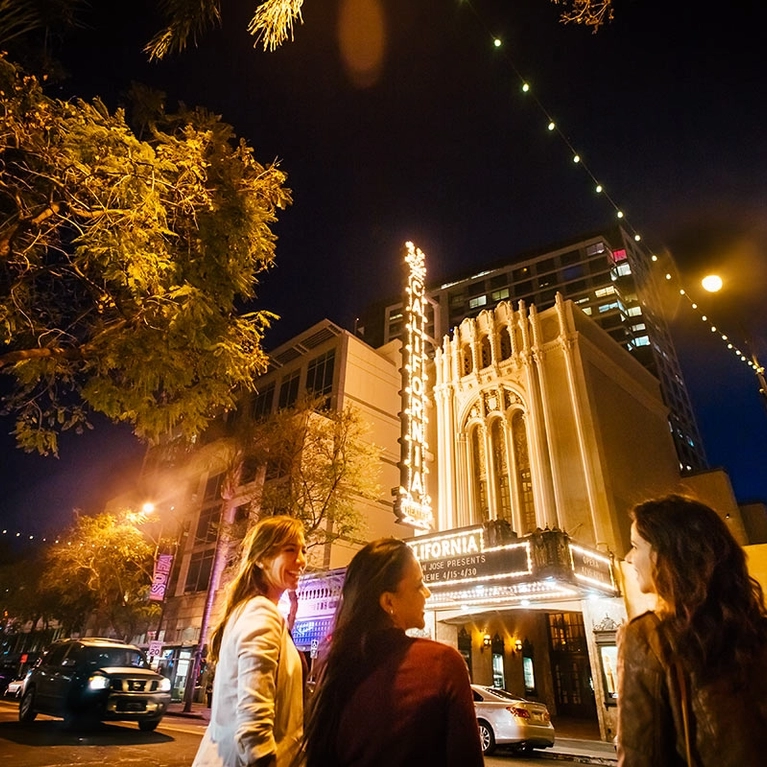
525	439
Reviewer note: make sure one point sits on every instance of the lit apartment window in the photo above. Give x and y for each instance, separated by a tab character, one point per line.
601	292
475	303
595	249
621	270
640	326
608	307
634	311
500	295
587	310
641	341
395	315
579	301
619	255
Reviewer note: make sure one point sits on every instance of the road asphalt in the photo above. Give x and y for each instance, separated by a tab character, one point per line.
578	750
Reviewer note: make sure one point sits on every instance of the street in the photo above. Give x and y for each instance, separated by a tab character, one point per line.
45	743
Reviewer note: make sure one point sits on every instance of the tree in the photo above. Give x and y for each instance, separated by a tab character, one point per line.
319	466
125	264
273	20
101	572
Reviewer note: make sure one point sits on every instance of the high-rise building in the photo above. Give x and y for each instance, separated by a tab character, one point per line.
607	274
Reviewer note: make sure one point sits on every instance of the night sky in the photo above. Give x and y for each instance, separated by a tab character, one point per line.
435	142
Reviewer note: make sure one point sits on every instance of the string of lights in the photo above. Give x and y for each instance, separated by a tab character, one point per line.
551	126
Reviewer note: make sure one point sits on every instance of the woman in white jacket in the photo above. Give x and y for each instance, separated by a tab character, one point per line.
257	713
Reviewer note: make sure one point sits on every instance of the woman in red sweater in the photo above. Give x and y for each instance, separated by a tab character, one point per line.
384	698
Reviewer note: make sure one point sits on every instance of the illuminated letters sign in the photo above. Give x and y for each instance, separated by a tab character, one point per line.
463	557
412	503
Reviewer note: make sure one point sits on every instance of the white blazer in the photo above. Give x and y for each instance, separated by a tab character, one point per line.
257	691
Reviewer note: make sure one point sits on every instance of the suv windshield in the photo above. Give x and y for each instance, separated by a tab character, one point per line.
101	657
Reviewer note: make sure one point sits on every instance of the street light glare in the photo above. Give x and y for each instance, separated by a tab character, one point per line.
712	283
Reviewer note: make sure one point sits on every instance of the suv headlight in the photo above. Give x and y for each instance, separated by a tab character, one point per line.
164	685
98	682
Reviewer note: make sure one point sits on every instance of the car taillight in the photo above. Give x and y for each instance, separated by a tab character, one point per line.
546	717
522	713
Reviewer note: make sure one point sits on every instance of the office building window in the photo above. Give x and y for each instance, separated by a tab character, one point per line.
289	389
475	303
208	524
499	281
319	374
500	295
212	490
601	292
200	566
262	402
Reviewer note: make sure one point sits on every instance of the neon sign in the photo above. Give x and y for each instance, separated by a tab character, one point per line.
412	503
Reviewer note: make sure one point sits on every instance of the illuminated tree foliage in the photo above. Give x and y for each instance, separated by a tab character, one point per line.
319	466
100	574
125	264
273	21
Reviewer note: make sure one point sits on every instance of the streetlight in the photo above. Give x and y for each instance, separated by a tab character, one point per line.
713	283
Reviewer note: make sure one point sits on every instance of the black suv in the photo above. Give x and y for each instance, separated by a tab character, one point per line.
91	680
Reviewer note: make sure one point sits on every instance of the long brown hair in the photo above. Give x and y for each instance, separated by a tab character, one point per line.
375	569
713	613
262	543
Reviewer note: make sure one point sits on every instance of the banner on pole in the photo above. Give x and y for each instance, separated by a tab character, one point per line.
161	577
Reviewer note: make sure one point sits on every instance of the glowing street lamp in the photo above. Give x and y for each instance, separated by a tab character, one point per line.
712	283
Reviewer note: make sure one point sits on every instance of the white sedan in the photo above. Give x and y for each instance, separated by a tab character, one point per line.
506	719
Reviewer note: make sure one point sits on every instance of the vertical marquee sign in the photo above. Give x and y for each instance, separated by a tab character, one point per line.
412	503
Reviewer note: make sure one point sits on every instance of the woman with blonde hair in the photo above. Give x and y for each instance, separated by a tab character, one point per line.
257	713
692	673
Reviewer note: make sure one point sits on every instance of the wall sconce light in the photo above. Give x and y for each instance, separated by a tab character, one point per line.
518	645
486	641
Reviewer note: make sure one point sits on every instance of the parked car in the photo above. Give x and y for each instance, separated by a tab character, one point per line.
90	680
14	688
506	719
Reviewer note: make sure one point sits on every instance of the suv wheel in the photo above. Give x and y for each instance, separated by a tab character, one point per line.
27	711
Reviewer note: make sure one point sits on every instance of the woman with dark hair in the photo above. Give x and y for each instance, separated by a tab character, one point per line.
257	714
692	673
384	698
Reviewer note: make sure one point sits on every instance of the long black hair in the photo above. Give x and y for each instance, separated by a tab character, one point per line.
713	613
375	569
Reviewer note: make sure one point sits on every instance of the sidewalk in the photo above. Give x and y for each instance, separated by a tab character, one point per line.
581	750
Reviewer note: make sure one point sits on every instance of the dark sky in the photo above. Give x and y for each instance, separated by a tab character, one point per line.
665	106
